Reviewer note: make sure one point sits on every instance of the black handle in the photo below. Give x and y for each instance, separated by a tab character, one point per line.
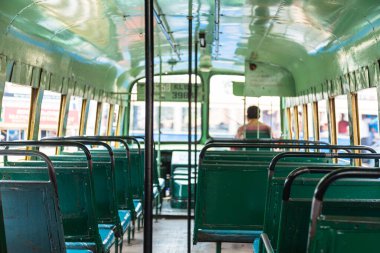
275	159
94	143
132	138
278	145
356	172
303	170
45	158
326	181
51	144
93	138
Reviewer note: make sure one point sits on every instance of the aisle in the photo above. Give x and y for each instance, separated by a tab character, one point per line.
170	237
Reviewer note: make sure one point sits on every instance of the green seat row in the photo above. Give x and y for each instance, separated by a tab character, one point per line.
222	217
30	215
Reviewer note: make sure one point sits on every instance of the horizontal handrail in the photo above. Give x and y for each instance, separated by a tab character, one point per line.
275	159
326	181
45	158
300	171
230	140
273	145
51	144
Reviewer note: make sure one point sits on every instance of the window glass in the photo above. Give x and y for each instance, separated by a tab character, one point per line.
368	118
90	130
226	118
300	121
115	117
170	118
292	123
73	119
323	122
49	118
49	114
104	119
342	124
310	121
15	112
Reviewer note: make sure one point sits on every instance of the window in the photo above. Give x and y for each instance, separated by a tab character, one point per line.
342	124
15	112
300	122
225	118
310	121
104	119
73	119
170	117
90	130
323	121
49	114
115	118
368	117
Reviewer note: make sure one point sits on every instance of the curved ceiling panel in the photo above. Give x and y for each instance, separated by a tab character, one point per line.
103	40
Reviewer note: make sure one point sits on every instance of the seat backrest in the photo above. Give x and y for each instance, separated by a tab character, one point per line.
31	217
76	199
351	199
255	134
103	175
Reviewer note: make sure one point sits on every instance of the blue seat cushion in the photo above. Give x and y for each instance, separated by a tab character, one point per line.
107	235
91	246
256	245
125	219
78	251
243	236
138	206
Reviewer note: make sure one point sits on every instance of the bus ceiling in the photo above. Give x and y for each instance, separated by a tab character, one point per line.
98	45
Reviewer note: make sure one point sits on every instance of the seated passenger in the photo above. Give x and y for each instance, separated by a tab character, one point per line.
254	129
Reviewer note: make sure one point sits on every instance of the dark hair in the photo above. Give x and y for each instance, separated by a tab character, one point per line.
253	112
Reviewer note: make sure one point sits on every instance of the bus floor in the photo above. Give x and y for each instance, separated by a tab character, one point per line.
169	236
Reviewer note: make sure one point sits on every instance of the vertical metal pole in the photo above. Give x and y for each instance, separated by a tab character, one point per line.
149	100
190	44
196	119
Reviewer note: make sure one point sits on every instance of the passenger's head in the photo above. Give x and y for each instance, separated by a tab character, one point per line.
253	112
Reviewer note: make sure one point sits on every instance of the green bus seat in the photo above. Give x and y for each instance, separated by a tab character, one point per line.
76	201
108	214
31	217
219	183
346	225
254	134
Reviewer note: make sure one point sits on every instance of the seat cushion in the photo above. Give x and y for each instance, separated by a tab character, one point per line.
125	219
107	236
82	246
78	251
256	245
